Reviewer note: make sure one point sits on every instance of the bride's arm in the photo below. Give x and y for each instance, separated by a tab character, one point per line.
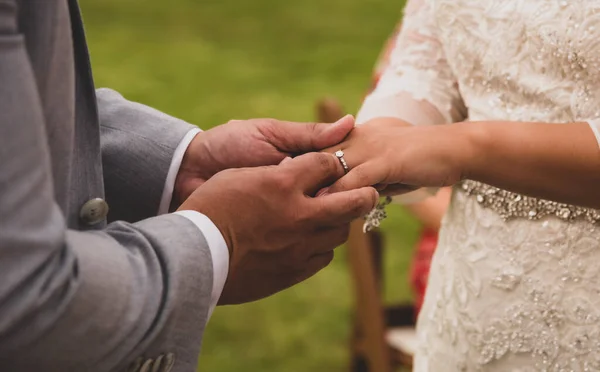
552	161
416	86
558	162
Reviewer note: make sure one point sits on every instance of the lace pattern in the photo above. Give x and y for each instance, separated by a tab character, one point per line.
514	294
418	66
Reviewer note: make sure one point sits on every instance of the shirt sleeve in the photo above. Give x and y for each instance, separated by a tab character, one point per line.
217	246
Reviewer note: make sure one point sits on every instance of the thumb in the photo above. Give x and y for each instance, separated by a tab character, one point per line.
301	138
327	135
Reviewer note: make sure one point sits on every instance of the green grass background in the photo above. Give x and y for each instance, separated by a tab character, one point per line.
208	61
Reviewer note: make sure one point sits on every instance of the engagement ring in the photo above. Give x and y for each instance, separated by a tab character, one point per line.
340	155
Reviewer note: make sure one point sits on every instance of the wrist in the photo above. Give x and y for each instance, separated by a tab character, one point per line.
195	169
215	215
389	121
471	145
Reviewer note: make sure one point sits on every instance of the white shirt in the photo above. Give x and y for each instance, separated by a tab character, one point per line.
218	248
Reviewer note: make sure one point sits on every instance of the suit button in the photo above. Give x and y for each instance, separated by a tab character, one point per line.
169	362
163	363
156	366
135	365
93	211
147	365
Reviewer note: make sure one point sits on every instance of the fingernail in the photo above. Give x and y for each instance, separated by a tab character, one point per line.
285	160
345	118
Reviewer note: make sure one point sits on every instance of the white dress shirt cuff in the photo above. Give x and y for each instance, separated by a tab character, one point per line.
218	248
167	194
219	253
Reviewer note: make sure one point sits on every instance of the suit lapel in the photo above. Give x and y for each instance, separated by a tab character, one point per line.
87	180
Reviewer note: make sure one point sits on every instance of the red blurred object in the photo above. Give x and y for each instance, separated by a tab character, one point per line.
419	272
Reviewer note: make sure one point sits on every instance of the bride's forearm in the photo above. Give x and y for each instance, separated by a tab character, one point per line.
558	162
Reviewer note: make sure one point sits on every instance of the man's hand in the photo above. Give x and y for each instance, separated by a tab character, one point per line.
252	143
277	232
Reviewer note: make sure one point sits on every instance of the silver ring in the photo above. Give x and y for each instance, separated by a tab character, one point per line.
340	155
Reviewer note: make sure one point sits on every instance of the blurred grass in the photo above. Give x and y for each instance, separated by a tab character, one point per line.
210	61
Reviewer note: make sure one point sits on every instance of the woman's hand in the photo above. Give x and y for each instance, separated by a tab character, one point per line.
558	162
397	157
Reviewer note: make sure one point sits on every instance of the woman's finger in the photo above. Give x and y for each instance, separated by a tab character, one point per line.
380	187
366	174
397	189
343	207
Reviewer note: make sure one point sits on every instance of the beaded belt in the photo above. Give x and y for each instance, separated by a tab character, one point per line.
510	205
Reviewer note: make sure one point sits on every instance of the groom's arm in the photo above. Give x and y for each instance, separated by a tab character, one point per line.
84	300
142	149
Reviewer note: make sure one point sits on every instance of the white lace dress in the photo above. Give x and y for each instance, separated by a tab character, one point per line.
515	281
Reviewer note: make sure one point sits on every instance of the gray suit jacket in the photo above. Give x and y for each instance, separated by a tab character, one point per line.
75	296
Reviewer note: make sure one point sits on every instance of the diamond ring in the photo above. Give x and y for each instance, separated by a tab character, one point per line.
340	155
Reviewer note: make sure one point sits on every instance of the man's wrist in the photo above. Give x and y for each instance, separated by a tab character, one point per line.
195	169
219	251
168	196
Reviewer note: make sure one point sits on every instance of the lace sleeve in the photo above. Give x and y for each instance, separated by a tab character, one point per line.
595	125
417	84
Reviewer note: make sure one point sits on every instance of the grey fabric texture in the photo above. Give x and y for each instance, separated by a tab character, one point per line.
76	297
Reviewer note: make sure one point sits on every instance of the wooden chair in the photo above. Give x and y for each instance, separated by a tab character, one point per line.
383	337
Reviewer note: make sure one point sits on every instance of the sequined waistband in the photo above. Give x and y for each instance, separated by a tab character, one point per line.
510	205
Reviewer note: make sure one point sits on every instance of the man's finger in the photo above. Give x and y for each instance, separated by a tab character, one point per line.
367	174
313	265
313	171
318	262
298	138
327	238
344	207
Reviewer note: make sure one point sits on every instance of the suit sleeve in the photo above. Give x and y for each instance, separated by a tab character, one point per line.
82	301
138	144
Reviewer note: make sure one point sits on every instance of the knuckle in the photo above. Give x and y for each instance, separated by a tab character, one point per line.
283	181
359	208
368	199
269	123
362	176
344	233
326	162
234	122
300	216
388	153
230	173
361	202
327	258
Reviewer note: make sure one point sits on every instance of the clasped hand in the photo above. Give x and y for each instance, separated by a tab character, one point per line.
396	157
277	231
